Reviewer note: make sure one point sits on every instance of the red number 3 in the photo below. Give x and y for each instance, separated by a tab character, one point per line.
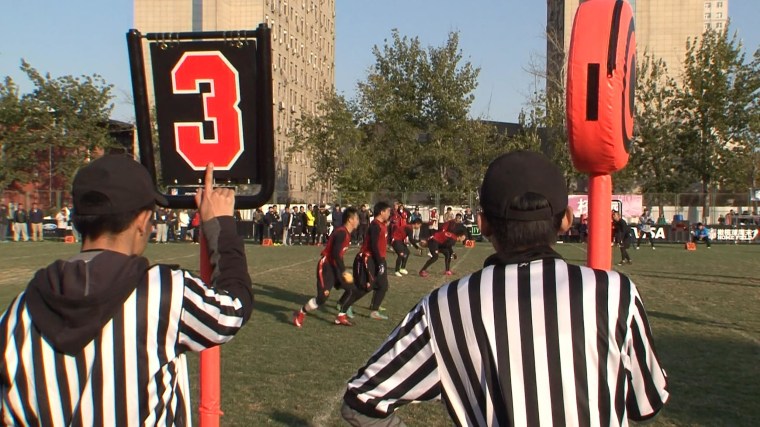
220	107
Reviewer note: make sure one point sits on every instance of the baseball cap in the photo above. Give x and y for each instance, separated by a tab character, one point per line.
112	184
519	172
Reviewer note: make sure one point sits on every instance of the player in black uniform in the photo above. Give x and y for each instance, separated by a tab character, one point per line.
623	237
331	271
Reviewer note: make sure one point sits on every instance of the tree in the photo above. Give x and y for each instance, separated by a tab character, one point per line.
655	158
60	124
713	106
415	103
11	119
330	138
747	129
547	118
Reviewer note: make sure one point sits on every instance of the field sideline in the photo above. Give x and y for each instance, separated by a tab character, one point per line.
704	308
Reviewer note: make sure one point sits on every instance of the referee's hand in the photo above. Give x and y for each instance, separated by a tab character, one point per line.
213	202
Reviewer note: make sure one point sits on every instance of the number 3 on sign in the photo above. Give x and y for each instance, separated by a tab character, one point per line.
220	107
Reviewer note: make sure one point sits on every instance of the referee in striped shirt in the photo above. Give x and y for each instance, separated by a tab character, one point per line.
527	340
101	338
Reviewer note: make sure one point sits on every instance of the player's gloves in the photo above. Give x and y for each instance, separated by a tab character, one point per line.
454	255
381	269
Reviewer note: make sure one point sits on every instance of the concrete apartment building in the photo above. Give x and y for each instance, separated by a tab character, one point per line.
662	28
303	59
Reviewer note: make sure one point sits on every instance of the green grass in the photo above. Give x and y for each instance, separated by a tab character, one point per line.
703	308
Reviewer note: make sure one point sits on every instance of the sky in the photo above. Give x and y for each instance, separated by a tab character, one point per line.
501	37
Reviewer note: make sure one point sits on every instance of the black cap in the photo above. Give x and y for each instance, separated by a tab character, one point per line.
515	174
113	184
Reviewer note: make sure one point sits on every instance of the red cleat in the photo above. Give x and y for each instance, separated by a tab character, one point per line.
424	273
448	273
298	318
342	319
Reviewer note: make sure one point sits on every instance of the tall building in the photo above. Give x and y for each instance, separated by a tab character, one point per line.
303	58
662	29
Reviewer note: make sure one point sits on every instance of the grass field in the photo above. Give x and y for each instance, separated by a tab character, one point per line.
703	307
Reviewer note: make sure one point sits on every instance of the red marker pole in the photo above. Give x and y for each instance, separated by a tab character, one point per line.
211	383
600	221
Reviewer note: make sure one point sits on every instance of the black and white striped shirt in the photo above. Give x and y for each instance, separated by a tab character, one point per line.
536	343
134	370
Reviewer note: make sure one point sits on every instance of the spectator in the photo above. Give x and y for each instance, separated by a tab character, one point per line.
361	231
468	218
337	216
286	220
61	222
433	219
297	226
416	218
20	219
415	215
321	225
449	215
183	219
270	219
171	225
258	225
730	217
35	222
311	220
583	228
305	230
162	230
645	229
276	225
5	221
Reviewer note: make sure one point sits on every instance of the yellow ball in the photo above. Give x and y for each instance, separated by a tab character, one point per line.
348	277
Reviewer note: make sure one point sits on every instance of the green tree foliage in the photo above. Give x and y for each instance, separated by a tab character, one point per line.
752	136
544	129
655	164
64	118
713	107
332	140
11	120
415	102
746	122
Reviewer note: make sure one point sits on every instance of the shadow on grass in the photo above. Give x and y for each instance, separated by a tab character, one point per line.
292	301
288	419
713	379
694	320
701	278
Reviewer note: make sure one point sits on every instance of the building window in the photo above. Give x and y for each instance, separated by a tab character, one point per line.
707	16
719	4
719	15
708	5
719	25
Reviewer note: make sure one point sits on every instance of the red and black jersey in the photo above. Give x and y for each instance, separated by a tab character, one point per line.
336	246
449	225
445	238
399	217
402	233
375	243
